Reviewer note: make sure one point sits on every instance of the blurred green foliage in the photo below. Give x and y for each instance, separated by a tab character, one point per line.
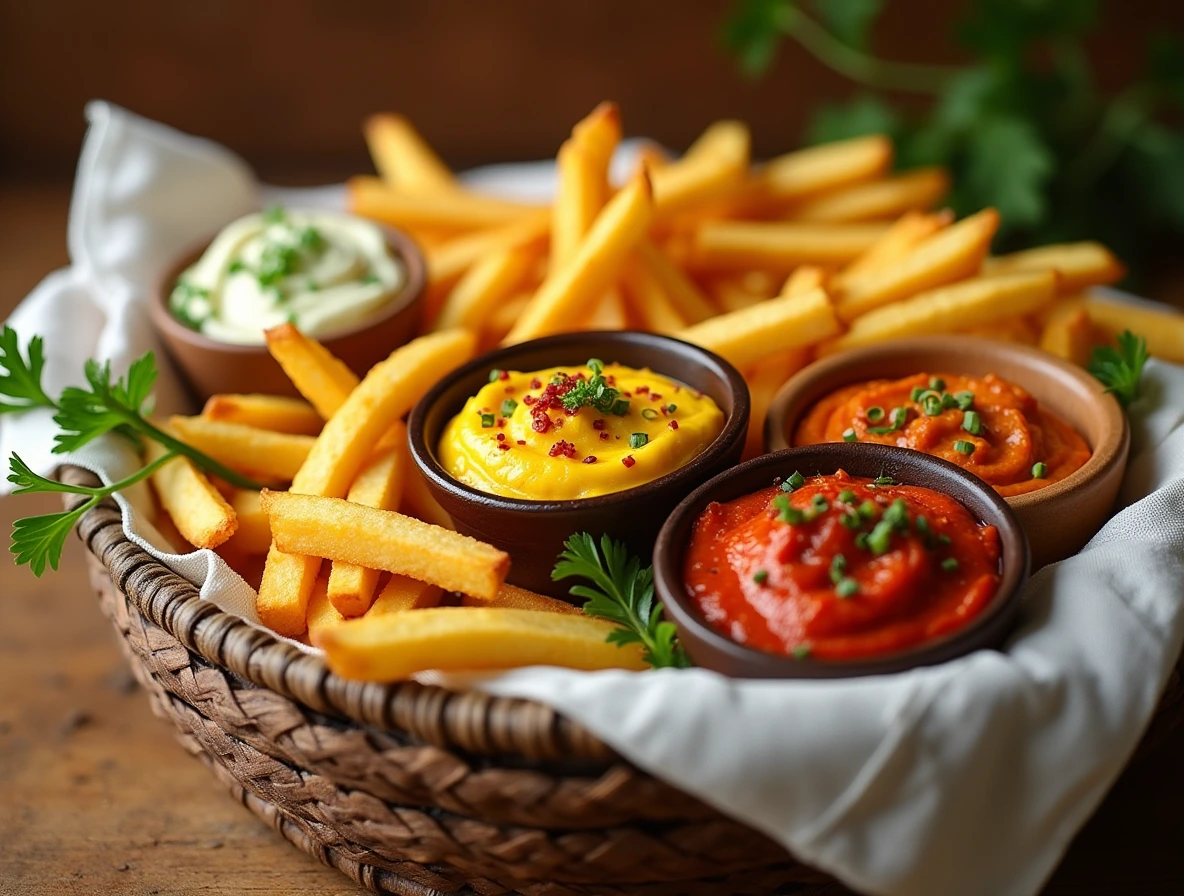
1022	126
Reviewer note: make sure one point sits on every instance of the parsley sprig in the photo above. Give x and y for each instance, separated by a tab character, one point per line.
1121	369
595	392
621	592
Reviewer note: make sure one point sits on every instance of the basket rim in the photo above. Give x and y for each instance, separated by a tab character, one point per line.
468	721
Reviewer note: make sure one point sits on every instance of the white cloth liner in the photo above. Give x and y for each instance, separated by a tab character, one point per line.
968	778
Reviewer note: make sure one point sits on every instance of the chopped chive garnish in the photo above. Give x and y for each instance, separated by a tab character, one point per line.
944	539
884	480
867	510
965	400
849	435
487	421
851	520
620	408
838	567
916	394
819	504
508	407
921	524
971	423
875	413
964	447
897	514
881	430
649	413
846	587
949	564
801	651
495	375
671	408
937	384
861	541
880	538
1039	470
948	401
638	440
760	576
931	405
796	480
788	514
899	417
595	365
847	496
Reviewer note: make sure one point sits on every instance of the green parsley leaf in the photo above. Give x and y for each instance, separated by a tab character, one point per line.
1121	369
20	376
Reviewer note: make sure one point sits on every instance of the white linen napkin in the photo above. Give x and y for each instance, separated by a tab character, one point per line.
967	778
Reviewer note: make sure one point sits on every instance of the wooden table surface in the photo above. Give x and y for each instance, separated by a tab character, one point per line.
95	797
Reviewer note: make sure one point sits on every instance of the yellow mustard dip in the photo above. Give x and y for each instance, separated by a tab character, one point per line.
619	428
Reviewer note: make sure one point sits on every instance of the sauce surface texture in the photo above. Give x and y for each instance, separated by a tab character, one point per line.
840	568
576	432
986	425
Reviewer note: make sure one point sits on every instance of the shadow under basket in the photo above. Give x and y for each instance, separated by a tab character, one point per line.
416	790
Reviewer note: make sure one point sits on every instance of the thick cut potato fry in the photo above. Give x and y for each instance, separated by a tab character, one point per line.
274	412
686	297
747	337
379	484
448	261
763	382
876	200
403	157
1163	329
779	246
254	529
1068	331
198	510
317	375
583	188
949	255
335	529
398	595
511	597
276	454
898	241
731	294
609	313
1080	265
447	209
804	279
958	307
648	301
502	319
566	296
714	164
808	172
1012	329
484	286
394	647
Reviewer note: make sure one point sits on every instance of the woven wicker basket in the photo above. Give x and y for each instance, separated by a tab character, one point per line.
416	790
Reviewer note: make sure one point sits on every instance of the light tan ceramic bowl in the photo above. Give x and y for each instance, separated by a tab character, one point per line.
1059	518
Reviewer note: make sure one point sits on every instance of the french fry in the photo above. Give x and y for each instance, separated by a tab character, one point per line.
383	397
949	255
715	163
609	313
254	529
402	593
779	246
274	412
379	484
317	375
1068	331
567	294
276	454
731	293
686	297
958	307
315	526
395	647
1080	265
747	337
1163	329
876	200
804	279
582	170
648	301
898	241
403	157
419	503
764	380
503	318
484	286
197	509
322	615
1012	329
453	258
447	210
808	172
511	597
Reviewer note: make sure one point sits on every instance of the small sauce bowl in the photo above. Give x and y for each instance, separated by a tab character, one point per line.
533	532
712	649
211	367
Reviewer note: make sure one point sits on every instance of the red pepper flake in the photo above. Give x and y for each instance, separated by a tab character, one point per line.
536	383
674	424
654	396
604	437
598	423
540	423
501	436
509	390
562	449
677	389
503	446
626	394
590	459
528	400
522	441
501	423
503	374
641	390
611	380
628	460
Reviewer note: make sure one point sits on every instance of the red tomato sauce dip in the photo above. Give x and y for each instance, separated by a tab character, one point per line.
986	425
837	567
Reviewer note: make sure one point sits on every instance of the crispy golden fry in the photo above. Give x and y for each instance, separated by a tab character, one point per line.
779	246
808	172
344	445
568	292
583	188
317	375
197	509
314	526
447	210
453	258
898	241
949	255
379	484
419	503
609	312
731	294
714	164
1068	331
648	301
403	157
1080	265
1163	329
958	307
402	593
390	648
651	156
1012	329
511	597
686	297
254	529
322	615
919	189
804	279
748	336
763	382
274	412
275	454
502	319
484	286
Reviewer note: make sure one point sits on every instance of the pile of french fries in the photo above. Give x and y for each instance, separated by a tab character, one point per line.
768	265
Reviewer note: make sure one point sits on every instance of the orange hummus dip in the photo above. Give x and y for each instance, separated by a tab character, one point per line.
988	426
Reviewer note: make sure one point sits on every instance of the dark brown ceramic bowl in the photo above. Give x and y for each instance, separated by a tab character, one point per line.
710	648
211	367
1059	518
533	532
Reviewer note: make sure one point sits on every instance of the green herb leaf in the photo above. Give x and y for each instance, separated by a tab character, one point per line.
1121	369
866	114
754	31
20	376
1009	166
850	20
